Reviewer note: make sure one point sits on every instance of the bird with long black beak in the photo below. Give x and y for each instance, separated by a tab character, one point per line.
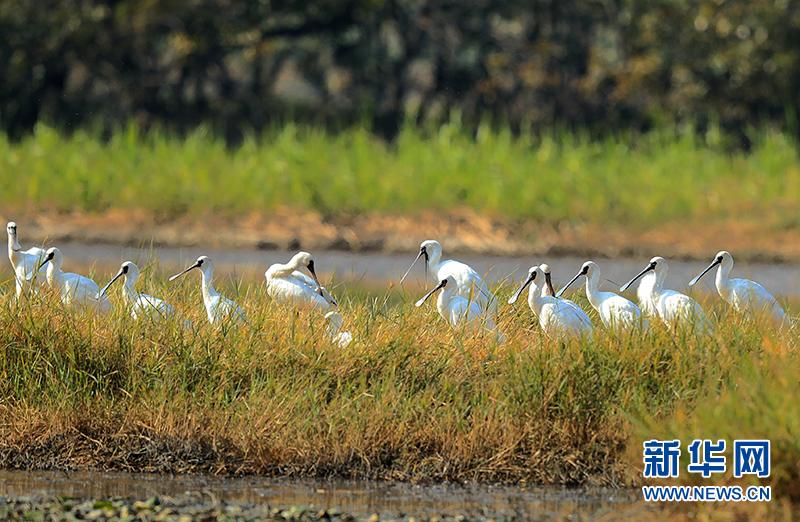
219	308
615	311
557	319
468	283
673	308
138	304
74	289
457	310
744	295
25	263
287	284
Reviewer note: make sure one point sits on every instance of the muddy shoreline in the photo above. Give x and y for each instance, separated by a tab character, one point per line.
462	232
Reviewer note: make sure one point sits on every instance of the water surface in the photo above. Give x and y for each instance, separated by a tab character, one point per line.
378	267
358	497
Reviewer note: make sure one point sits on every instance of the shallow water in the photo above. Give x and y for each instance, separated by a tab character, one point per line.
377	267
358	497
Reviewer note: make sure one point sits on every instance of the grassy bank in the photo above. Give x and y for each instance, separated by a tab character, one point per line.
409	399
634	182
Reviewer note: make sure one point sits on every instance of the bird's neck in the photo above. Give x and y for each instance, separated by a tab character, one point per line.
434	258
281	270
658	285
207	285
13	248
722	280
535	298
443	304
592	293
129	291
54	275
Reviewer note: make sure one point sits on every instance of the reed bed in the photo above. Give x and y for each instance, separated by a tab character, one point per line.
409	399
631	181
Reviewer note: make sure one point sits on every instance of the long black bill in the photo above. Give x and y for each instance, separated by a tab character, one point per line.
704	272
105	288
421	253
176	276
323	292
426	296
640	274
564	289
528	280
549	282
316	280
44	262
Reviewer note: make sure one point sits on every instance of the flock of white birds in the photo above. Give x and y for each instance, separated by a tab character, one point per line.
464	299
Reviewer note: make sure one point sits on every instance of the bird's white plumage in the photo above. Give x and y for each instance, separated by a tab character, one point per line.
287	284
673	308
25	263
558	319
459	311
745	296
468	283
614	310
140	305
335	323
219	308
74	289
548	290
644	293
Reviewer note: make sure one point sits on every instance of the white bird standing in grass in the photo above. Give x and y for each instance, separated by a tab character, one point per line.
140	305
74	289
557	317
458	310
744	295
335	323
468	283
287	284
674	308
615	311
24	262
218	307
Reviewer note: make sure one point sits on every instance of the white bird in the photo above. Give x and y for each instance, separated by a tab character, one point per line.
548	290
24	262
468	283
744	295
615	311
287	284
458	310
335	323
218	307
74	289
644	292
140	305
557	318
674	308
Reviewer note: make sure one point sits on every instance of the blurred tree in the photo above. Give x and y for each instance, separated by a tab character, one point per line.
235	66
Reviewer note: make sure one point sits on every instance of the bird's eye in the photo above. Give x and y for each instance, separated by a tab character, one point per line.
719	259
199	262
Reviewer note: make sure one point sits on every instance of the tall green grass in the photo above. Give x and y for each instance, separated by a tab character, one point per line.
629	180
409	399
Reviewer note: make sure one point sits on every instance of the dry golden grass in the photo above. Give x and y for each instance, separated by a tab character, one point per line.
409	399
